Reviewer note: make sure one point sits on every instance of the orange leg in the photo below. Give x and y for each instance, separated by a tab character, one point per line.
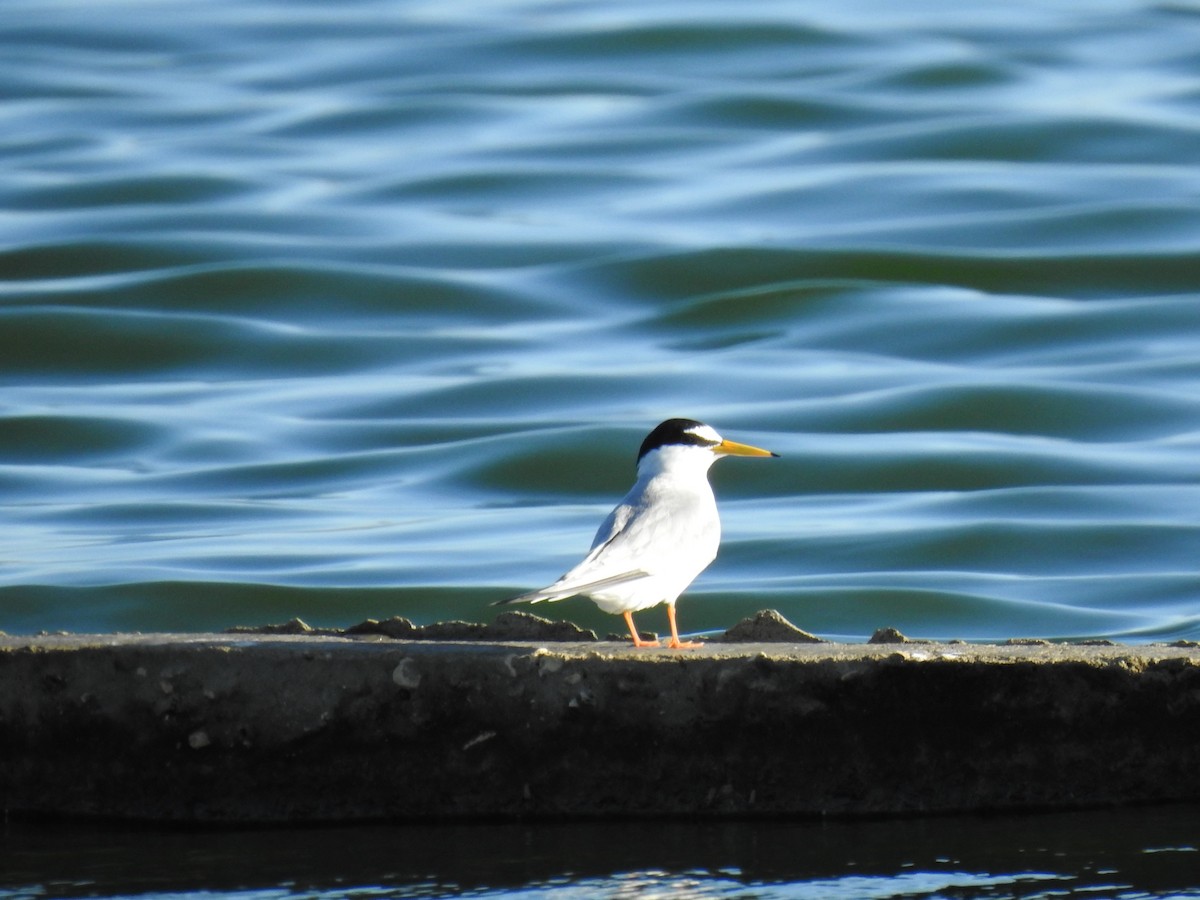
675	643
633	633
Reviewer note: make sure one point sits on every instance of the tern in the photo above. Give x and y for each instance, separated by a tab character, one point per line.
663	533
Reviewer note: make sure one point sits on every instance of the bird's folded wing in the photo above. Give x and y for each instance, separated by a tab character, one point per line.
609	551
562	588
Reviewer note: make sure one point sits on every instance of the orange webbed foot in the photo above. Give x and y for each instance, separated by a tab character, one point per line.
675	643
633	633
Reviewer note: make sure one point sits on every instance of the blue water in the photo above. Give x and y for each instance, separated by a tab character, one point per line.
361	309
1129	854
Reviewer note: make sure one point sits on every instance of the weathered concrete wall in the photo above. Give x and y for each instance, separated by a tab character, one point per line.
297	728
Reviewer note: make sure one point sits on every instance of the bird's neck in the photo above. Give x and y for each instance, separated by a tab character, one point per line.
679	468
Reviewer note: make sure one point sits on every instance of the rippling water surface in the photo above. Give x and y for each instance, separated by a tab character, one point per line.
1131	854
363	308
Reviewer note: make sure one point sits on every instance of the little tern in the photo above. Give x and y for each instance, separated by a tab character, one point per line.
663	533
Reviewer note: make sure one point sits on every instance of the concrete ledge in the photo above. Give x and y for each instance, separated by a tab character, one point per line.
301	728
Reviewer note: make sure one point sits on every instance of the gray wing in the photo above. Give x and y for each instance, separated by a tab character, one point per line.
592	573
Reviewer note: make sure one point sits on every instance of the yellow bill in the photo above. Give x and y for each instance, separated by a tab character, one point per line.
733	448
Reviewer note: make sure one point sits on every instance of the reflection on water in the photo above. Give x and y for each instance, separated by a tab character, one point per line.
1149	852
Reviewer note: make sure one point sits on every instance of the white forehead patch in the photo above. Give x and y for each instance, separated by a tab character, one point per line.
706	433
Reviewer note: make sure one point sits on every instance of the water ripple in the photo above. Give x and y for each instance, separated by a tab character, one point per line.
365	312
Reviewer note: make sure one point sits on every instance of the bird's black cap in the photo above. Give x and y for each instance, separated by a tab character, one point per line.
675	431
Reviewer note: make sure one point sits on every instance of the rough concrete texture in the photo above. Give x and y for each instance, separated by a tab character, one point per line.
303	727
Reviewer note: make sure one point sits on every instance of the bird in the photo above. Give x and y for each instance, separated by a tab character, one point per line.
662	534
